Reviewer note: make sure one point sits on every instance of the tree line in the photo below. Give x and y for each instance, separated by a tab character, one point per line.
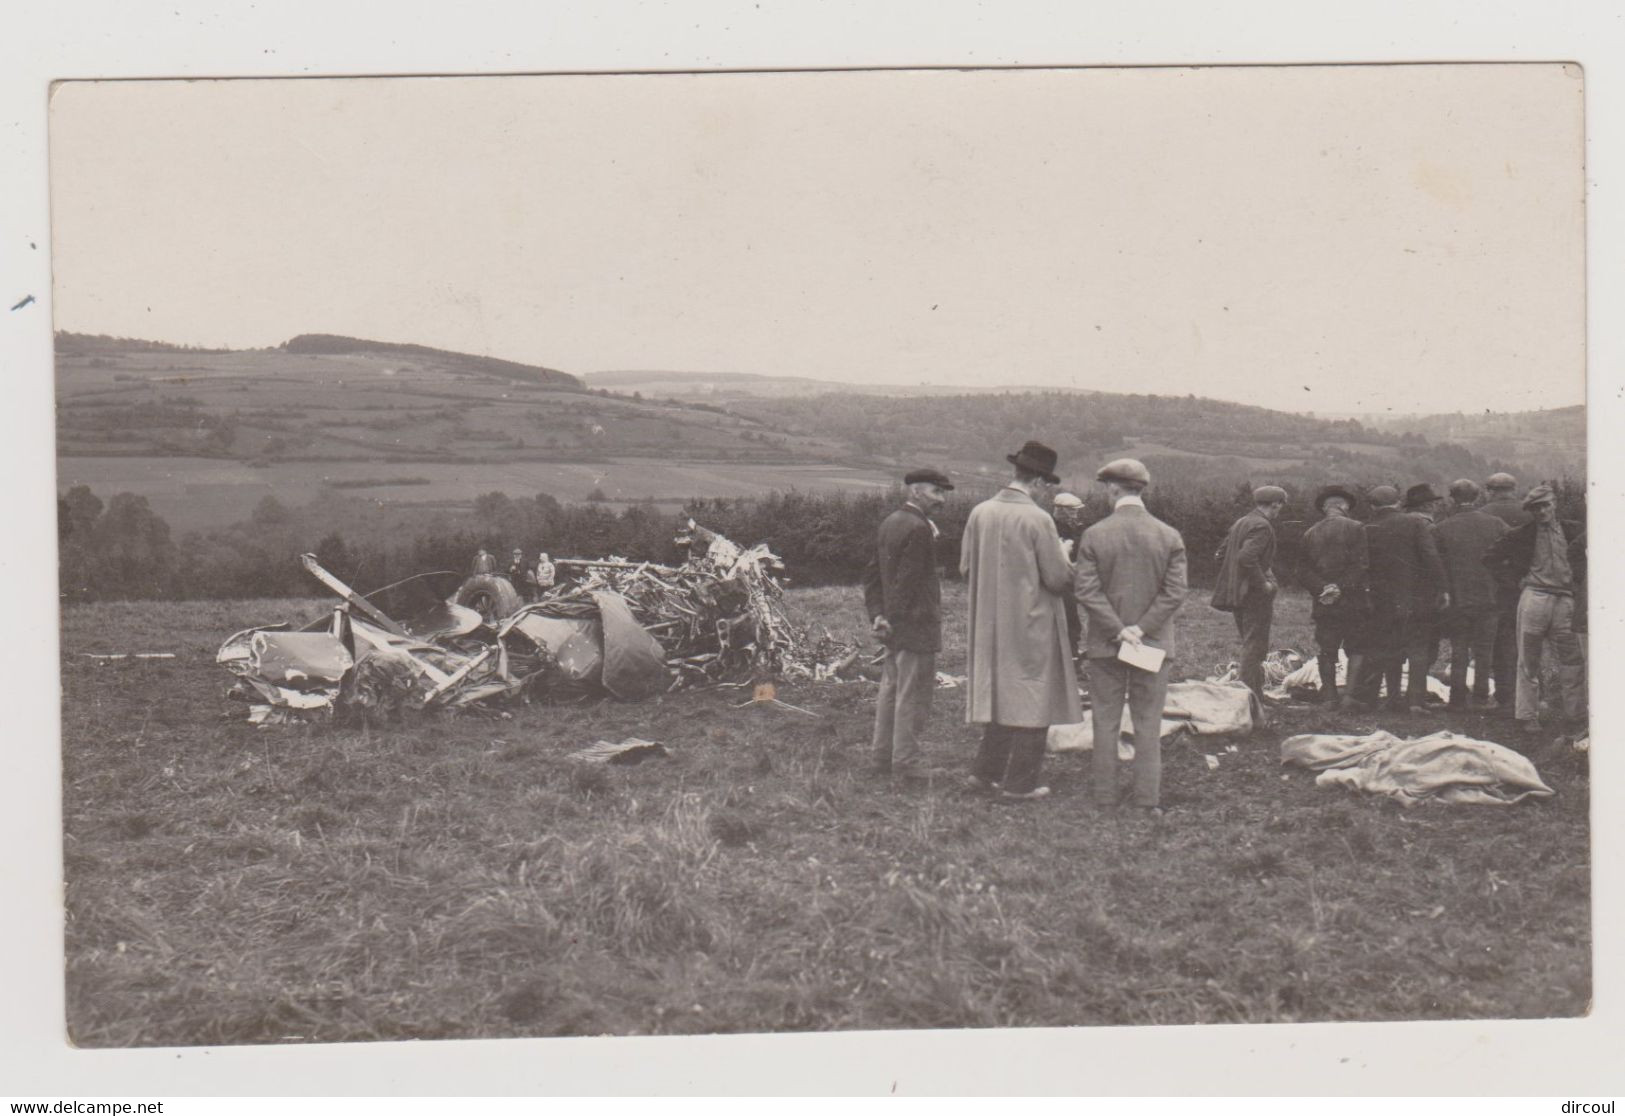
122	549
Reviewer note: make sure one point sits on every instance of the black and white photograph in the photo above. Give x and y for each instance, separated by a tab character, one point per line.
649	554
674	549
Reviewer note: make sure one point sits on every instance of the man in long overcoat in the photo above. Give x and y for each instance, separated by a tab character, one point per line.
1130	581
1464	537
1407	585
1501	501
1246	586
903	596
1335	571
1021	676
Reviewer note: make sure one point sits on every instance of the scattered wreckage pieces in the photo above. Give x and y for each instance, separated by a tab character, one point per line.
633	629
629	751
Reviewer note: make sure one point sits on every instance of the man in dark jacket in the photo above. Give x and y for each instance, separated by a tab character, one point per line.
1335	571
1427	632
1501	492
903	596
1247	585
1067	509
1407	584
1548	559
1464	537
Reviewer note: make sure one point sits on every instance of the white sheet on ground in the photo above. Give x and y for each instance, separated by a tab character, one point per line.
1439	767
1198	707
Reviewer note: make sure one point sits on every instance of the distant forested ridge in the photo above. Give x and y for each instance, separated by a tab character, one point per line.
327	344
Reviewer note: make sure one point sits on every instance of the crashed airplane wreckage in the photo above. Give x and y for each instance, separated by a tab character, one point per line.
629	629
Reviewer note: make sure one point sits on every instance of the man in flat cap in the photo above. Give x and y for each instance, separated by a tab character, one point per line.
1501	500
1068	512
1021	677
1130	580
1547	556
903	596
1335	571
1246	586
1464	537
1407	584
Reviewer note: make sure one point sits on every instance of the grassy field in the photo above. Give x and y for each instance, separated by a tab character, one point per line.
459	878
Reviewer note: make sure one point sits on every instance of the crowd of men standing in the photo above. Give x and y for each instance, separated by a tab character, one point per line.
1499	577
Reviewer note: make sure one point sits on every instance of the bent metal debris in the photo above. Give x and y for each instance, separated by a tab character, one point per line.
629	629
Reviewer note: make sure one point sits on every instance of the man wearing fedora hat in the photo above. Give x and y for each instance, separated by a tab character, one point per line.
1335	571
1131	581
903	596
1407	584
1464	537
1021	676
1246	584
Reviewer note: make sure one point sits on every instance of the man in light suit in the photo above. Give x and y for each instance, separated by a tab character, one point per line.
1130	580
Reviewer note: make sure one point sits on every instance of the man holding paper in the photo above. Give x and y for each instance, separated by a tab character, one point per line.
1130	580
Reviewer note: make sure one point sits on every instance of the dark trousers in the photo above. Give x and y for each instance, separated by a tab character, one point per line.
1253	621
1421	652
1337	631
1110	684
1505	665
1388	639
1011	756
1074	622
1472	633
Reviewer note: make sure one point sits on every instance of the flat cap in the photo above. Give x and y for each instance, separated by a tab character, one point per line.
1269	494
1540	494
1067	500
929	476
1499	481
1124	469
1383	496
1463	491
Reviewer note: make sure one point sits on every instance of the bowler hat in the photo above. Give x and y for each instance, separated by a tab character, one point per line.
1418	494
1269	494
929	476
1334	490
1036	457
1125	469
1498	481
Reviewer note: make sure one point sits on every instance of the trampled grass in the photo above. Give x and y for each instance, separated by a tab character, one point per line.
459	877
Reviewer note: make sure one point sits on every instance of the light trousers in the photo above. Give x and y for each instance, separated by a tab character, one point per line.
1112	682
902	708
1546	620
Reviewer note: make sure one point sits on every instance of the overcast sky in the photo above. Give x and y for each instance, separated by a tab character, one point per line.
1404	237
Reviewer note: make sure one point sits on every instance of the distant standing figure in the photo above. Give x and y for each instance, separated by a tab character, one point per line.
1247	585
1068	512
1130	580
546	576
1425	505
1501	492
484	562
1336	571
1464	537
520	575
1021	675
1548	557
902	593
1407	580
